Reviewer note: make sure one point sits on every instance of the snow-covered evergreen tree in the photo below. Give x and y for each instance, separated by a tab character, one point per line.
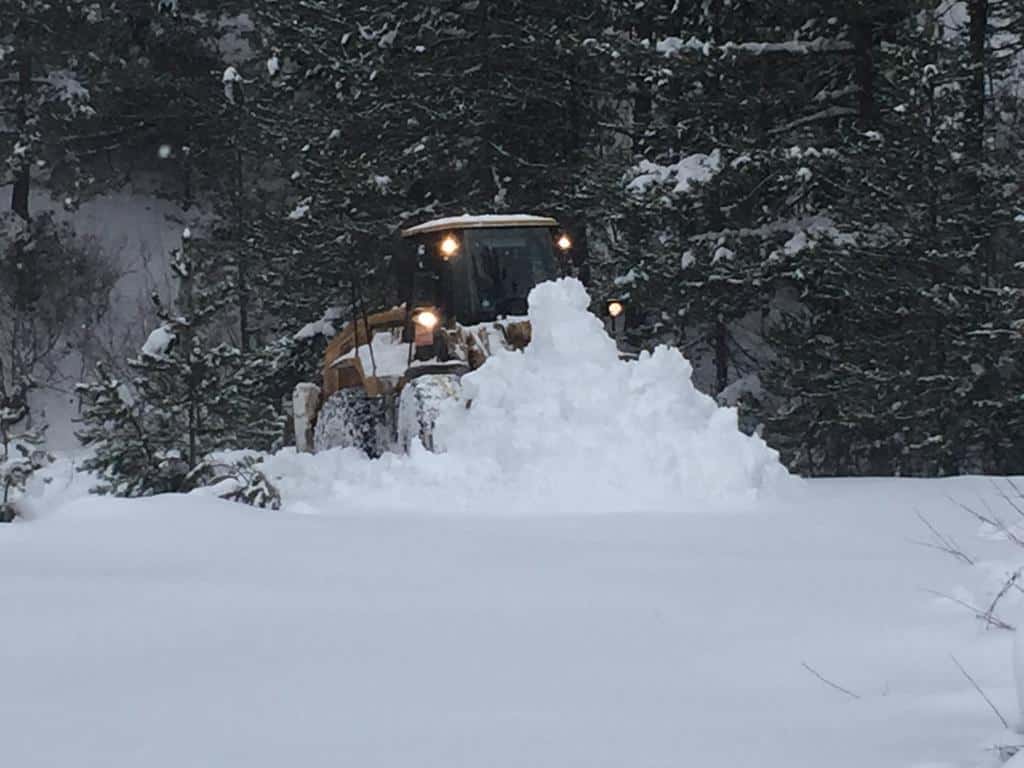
898	358
21	455
384	113
188	397
115	427
819	197
739	114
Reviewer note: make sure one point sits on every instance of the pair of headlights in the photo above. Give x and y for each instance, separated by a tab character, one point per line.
428	319
450	245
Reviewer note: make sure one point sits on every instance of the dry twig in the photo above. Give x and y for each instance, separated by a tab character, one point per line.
988	618
1009	499
942	542
1011	583
990	519
828	682
981	692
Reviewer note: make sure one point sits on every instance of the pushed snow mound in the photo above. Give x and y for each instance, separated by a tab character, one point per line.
564	427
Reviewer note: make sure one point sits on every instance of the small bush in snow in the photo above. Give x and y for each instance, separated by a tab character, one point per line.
20	456
239	481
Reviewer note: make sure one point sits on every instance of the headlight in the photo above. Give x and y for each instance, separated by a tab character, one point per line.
449	246
564	242
616	308
427	319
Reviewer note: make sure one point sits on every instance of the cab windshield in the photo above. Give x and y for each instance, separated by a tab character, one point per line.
498	269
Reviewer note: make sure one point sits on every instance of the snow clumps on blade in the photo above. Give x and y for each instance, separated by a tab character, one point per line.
567	426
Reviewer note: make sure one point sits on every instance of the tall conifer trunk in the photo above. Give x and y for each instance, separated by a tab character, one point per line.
22	178
978	34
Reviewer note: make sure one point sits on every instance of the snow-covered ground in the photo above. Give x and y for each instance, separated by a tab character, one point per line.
187	631
635	586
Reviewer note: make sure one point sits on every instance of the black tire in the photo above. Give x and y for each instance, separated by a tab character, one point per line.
352	419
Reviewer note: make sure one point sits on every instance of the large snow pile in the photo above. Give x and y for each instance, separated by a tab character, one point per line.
565	426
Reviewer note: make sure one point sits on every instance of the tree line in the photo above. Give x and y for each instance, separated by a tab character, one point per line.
820	202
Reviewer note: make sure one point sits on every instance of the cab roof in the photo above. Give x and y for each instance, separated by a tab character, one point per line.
488	221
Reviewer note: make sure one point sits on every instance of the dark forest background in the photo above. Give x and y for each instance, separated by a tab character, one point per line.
820	202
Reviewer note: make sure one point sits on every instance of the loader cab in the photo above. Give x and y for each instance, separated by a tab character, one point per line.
474	269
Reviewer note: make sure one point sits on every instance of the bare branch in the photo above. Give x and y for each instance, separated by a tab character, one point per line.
991	520
1004	752
676	47
825	114
989	619
1009	499
1011	583
981	692
828	682
945	543
1016	488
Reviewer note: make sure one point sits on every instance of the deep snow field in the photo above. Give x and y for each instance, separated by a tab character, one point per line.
601	571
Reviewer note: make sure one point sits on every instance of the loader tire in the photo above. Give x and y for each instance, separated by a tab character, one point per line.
352	419
419	405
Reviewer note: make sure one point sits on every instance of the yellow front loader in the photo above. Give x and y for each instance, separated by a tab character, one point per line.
462	285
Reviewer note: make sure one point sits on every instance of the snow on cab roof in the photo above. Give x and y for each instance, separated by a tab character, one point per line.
477	222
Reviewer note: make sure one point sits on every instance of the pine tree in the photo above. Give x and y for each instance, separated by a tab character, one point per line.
899	359
421	110
42	101
87	96
188	398
20	455
116	428
738	114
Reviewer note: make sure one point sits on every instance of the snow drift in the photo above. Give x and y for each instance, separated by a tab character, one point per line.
178	631
565	426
